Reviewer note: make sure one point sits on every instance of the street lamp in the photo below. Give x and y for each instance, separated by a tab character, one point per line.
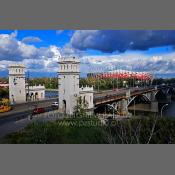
163	108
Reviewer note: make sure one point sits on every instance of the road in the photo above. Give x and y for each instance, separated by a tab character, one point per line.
17	125
22	111
18	118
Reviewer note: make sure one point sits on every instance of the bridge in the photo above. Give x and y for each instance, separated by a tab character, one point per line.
145	99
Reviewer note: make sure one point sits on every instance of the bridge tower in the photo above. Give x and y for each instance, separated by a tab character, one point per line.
68	83
17	91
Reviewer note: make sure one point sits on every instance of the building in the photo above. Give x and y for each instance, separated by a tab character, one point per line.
34	93
19	91
86	94
68	87
123	74
17	88
69	91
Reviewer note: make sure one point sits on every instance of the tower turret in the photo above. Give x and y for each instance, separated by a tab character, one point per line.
17	92
69	73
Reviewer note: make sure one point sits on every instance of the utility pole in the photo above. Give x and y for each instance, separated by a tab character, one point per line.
134	108
28	74
117	80
98	83
113	76
161	112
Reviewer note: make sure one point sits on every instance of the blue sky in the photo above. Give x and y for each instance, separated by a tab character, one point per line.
137	50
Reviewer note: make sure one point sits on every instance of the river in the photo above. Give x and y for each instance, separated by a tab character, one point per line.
51	94
170	110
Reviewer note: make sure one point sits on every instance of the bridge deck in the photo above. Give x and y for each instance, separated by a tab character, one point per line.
109	96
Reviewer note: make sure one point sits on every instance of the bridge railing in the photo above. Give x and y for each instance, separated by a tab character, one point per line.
117	96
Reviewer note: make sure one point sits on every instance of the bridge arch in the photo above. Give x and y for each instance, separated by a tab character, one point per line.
171	91
160	95
140	98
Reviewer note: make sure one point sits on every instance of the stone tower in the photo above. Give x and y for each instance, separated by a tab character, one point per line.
68	83
17	92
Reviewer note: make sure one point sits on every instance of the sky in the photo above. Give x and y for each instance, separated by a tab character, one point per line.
150	51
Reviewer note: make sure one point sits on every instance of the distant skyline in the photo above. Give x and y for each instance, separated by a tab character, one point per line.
99	50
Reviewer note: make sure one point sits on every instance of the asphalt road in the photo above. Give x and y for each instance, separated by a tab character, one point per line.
24	110
12	124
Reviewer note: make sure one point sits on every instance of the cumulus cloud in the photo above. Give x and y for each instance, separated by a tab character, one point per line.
68	50
163	64
14	50
31	39
121	40
35	59
44	59
58	32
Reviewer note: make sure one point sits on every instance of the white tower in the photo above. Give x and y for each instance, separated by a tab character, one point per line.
69	73
17	92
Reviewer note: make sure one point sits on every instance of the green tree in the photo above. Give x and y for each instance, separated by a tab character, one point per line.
80	108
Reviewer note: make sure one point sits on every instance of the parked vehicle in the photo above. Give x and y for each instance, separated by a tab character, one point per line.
38	110
55	104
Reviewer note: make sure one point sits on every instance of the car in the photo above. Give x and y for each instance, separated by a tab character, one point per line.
55	104
38	110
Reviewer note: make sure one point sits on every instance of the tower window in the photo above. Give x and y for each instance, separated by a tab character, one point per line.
67	66
64	67
19	70
16	70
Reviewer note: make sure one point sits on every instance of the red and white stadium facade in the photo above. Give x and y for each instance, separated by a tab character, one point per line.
125	75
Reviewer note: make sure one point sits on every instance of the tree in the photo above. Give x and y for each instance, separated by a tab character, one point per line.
80	108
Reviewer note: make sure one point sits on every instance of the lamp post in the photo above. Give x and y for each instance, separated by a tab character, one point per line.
163	108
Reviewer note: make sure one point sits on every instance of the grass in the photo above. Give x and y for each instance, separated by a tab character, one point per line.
90	131
74	131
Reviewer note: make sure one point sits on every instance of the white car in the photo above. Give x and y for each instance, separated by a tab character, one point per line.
55	104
